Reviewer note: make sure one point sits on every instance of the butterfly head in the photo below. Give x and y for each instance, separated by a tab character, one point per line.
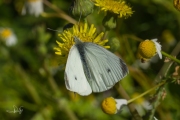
77	40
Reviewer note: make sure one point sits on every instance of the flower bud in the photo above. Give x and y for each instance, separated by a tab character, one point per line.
82	8
114	43
109	21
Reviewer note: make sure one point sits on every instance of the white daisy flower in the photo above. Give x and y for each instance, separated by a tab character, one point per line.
112	106
149	48
141	104
143	107
8	36
33	7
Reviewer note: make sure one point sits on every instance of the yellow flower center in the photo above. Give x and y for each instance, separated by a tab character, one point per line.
109	105
5	33
147	49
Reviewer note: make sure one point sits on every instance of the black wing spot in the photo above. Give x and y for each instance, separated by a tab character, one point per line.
108	70
75	78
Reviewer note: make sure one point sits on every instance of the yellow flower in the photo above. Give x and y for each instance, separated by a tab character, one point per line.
115	6
111	105
84	33
148	48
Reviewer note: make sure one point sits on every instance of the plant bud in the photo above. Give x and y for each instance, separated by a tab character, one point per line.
82	8
110	21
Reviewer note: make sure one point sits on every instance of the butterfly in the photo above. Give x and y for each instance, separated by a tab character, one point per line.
92	68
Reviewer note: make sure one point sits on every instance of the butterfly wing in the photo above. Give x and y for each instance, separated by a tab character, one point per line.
106	69
75	78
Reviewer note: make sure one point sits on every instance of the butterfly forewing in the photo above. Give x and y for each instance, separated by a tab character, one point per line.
75	78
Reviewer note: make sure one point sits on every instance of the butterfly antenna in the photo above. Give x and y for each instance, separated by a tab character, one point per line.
53	30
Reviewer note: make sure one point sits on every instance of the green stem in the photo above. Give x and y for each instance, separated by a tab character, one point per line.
129	101
105	34
61	104
171	57
156	103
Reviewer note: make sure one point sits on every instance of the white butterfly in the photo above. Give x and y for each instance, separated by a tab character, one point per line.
91	67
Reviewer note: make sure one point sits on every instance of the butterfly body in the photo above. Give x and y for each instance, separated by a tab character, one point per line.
92	68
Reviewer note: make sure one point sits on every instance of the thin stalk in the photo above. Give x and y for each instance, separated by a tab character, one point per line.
171	57
61	104
150	90
50	79
156	103
64	106
105	34
60	12
28	85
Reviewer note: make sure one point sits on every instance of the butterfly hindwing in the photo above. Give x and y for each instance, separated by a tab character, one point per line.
75	78
106	69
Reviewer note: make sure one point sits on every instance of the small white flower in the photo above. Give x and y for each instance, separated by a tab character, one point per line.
34	7
141	104
143	107
8	36
111	105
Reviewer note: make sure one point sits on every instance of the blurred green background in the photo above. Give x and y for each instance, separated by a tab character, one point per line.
30	75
